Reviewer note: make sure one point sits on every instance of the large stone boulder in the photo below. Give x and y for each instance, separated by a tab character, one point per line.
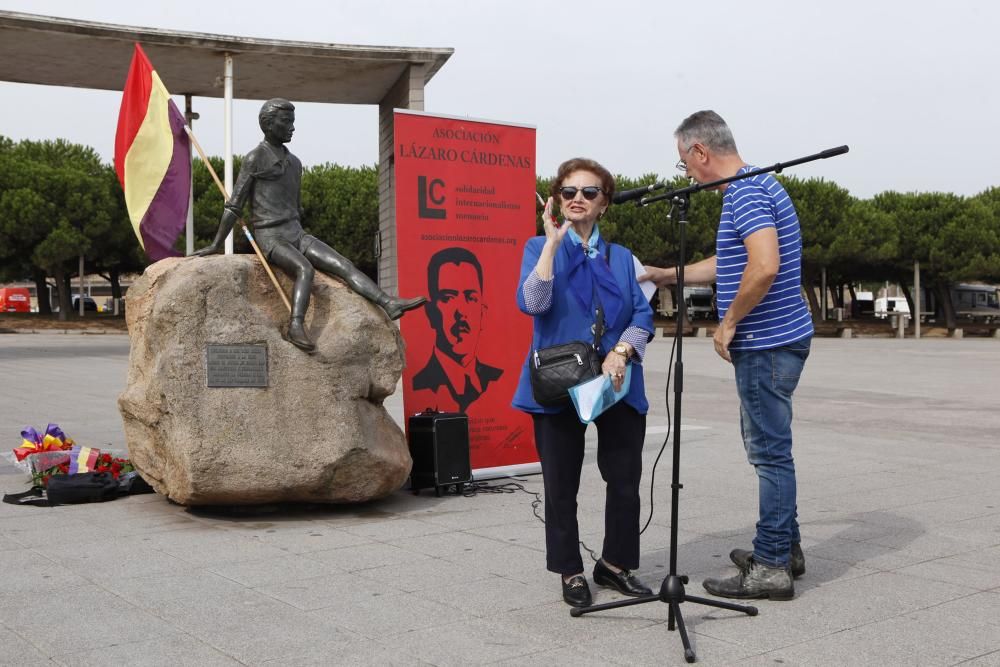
317	433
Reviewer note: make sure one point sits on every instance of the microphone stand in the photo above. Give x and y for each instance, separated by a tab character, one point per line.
672	588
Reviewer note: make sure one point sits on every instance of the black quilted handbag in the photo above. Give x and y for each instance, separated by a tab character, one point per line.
555	369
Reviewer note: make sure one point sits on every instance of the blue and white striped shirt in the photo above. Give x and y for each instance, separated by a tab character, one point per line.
782	316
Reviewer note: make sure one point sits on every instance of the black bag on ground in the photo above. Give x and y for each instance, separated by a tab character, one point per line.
84	487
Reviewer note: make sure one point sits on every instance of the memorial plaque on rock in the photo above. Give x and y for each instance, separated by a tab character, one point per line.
237	365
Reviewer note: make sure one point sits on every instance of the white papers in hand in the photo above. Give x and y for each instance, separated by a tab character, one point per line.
648	288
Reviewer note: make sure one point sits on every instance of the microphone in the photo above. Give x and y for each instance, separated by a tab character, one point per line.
636	193
831	152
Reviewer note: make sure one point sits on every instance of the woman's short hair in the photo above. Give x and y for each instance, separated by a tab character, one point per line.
583	164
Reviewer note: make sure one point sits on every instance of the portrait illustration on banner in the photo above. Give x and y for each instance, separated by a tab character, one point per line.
455	376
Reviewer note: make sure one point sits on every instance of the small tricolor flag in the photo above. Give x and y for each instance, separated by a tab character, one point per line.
82	459
152	159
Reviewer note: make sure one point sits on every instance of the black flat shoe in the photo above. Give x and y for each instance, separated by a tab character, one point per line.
576	592
624	582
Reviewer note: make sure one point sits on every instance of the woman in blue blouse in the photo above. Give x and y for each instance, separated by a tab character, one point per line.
564	276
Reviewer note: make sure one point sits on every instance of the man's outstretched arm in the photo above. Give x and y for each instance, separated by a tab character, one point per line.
699	273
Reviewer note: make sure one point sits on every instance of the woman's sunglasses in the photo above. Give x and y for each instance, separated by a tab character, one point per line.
589	193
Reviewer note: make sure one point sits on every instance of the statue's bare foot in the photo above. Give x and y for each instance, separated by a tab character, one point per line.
297	335
396	307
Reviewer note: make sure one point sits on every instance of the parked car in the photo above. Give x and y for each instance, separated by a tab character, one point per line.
89	305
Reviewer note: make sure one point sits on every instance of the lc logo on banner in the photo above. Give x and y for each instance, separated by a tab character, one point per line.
465	206
434	192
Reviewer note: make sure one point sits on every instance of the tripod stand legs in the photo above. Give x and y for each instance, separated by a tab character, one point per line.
580	611
675	613
673	594
749	611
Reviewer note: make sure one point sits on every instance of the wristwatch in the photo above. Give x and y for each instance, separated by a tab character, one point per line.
622	349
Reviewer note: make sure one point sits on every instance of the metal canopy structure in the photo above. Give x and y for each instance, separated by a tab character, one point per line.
83	54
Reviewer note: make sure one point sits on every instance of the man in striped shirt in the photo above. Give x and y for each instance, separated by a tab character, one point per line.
764	330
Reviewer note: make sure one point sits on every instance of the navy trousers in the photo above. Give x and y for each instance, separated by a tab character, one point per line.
559	439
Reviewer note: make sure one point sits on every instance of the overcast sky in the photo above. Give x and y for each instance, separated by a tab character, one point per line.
911	87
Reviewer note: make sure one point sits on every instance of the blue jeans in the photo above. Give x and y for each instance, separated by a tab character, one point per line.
765	381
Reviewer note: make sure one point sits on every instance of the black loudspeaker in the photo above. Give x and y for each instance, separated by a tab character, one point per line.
439	447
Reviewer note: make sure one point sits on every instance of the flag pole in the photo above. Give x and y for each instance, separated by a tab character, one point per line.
246	231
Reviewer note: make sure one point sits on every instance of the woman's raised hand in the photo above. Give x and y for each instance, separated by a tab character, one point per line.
553	230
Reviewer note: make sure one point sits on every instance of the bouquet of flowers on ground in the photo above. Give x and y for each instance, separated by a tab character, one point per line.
77	460
55	454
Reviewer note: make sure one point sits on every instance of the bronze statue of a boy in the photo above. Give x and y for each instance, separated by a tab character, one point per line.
270	179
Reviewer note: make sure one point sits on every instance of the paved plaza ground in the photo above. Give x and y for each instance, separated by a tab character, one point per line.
898	458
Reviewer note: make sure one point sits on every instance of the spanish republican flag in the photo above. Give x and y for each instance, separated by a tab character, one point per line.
152	159
83	459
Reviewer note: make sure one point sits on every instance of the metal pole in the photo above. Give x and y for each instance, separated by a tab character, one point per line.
80	288
916	299
189	118
228	139
822	300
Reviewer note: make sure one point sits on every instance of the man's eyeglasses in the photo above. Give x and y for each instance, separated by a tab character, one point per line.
589	193
681	164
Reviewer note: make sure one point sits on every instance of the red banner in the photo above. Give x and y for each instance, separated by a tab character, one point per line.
465	206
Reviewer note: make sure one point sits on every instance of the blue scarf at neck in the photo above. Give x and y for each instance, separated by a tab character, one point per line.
590	245
587	267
